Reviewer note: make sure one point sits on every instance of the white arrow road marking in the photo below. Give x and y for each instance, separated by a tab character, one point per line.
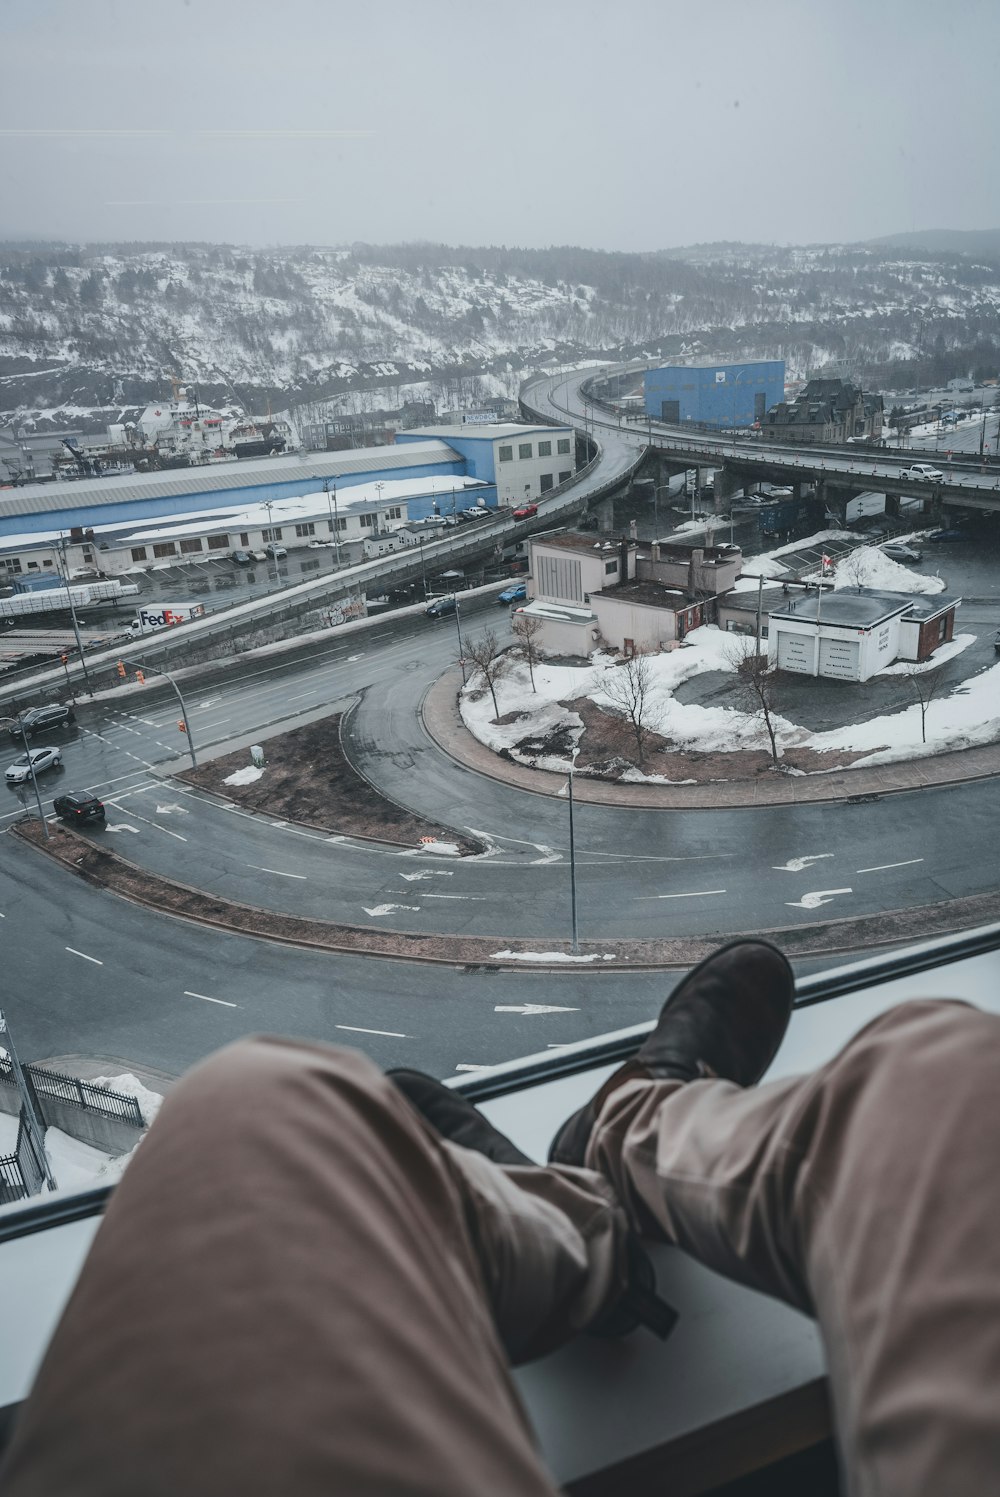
206	999
155	825
74	952
549	855
212	701
694	894
121	826
387	909
796	865
880	867
352	658
533	1008
461	1067
815	899
412	878
276	871
170	808
455	896
392	1034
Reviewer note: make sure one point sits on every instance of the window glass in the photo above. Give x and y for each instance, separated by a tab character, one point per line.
545	449
524	449
562	445
301	530
138	553
165	548
190	545
218	542
505	453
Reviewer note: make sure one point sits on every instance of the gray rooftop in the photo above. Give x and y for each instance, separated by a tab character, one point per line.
483	431
864	609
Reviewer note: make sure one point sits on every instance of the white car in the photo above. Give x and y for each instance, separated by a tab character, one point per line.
38	759
276	549
923	471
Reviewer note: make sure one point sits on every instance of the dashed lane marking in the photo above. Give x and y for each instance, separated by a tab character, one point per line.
391	1034
881	867
206	999
691	894
86	958
278	872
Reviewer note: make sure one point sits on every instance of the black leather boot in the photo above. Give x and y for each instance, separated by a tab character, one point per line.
726	1018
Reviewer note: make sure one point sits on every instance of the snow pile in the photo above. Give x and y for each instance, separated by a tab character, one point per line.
244	776
968	717
128	1085
548	956
74	1165
870	567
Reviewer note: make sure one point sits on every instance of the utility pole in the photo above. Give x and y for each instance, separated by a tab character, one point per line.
32	1119
34	779
72	611
572	859
458	626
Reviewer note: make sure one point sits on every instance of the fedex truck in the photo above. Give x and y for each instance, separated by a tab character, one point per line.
149	620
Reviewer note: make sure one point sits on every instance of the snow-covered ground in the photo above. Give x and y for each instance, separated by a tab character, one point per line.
76	1165
969	714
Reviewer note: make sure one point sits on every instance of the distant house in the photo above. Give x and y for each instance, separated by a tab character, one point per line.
849	636
827	411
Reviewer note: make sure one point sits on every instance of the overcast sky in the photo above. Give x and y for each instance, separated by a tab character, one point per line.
631	124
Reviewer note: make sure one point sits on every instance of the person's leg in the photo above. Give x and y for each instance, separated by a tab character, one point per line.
867	1195
298	1287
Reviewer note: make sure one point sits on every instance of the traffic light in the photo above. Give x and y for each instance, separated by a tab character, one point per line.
140	676
64	658
182	726
121	669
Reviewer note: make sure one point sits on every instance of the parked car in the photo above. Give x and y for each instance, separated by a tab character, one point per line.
35	759
241	558
514	594
79	805
275	549
40	720
947	535
525	511
925	472
440	607
897	551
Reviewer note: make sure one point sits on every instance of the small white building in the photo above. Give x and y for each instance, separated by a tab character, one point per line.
850	636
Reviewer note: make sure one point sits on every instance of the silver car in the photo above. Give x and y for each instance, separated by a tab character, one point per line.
38	759
897	551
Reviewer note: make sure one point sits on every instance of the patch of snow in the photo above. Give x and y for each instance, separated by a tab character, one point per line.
243	776
387	909
549	956
128	1085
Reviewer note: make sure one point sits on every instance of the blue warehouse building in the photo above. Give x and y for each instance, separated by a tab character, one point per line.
717	395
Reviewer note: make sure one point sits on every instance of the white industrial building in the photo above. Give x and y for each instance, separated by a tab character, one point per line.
850	636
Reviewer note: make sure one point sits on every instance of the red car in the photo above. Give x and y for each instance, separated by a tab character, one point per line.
525	511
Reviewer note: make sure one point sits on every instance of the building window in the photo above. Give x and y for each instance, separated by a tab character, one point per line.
367	522
395	513
545	449
341	524
545	483
505	454
245	538
272	535
218	542
562	445
303	530
194	544
610	567
564	476
524	449
165	548
138	553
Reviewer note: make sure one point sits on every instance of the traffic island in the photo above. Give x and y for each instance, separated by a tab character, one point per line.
307	779
105	869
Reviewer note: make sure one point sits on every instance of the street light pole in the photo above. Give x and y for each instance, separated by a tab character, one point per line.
34	779
458	626
572	858
184	716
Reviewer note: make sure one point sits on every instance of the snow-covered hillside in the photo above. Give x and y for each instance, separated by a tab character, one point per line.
302	324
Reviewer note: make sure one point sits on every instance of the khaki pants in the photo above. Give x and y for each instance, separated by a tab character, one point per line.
299	1289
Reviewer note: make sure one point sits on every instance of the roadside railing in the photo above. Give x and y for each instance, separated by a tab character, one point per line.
22	1173
85	1094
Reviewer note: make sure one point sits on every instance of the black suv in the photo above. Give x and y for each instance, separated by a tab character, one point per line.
40	719
78	805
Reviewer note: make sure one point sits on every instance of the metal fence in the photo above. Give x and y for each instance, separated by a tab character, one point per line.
85	1094
21	1173
78	1093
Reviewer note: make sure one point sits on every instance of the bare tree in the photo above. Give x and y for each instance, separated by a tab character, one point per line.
487	656
628	688
853	567
925	686
756	677
526	629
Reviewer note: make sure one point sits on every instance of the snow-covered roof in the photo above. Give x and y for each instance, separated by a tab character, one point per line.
863	609
241	473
